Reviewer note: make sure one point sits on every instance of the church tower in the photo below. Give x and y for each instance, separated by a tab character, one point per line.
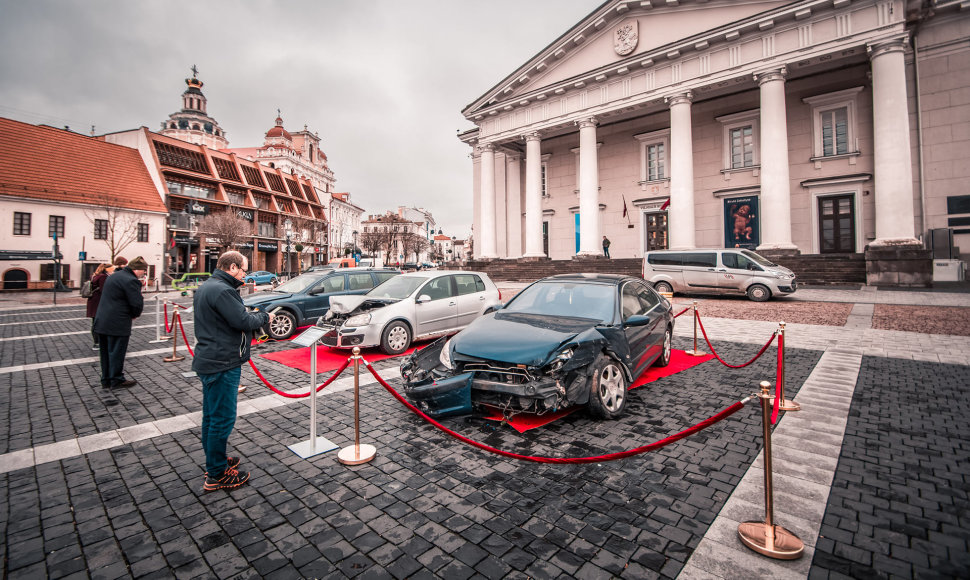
192	123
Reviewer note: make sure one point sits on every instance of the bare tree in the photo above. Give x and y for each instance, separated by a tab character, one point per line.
226	228
412	243
119	228
309	232
371	242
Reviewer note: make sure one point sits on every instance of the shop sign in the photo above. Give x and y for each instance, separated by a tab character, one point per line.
197	208
186	240
245	214
265	247
245	246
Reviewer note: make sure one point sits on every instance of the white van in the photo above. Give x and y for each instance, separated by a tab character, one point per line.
717	271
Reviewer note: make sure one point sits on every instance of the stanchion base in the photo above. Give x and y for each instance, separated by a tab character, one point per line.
355	455
162	339
174	358
789	405
783	545
306	449
695	353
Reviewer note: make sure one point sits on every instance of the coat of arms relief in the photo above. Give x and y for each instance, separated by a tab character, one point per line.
625	38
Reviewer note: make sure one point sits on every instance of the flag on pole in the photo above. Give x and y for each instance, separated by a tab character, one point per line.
666	203
624	205
172	245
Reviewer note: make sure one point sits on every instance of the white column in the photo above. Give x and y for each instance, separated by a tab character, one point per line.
775	184
513	206
488	202
590	242
533	196
895	223
680	220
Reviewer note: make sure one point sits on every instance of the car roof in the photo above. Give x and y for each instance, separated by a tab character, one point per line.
436	273
589	277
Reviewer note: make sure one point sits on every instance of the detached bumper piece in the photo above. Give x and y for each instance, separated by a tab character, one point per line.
444	397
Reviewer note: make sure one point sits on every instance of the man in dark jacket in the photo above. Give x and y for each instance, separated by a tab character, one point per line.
223	331
121	302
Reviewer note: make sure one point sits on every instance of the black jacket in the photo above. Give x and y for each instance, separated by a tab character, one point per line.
121	301
223	328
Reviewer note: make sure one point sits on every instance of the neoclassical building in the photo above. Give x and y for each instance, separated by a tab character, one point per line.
811	127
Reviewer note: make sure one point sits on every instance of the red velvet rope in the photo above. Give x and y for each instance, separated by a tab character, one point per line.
298	395
777	403
595	459
168	327
185	338
681	312
760	352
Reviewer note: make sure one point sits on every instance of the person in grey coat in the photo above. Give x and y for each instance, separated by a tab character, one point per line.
121	302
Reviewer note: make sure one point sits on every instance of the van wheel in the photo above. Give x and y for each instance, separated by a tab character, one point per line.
663	287
396	338
758	293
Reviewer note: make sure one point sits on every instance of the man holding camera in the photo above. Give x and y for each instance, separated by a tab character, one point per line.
223	332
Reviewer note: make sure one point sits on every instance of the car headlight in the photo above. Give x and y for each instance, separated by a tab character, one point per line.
358	320
444	357
561	359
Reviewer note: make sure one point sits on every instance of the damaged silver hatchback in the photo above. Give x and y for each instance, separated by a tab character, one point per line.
572	339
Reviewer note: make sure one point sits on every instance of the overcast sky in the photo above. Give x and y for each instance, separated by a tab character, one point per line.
383	82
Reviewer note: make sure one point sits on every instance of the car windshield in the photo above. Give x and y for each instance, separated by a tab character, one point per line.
758	258
559	298
298	284
398	287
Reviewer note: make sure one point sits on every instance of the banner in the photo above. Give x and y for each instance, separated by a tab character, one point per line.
742	222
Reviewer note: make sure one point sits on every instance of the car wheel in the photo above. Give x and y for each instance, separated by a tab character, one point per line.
282	326
663	287
758	293
275	282
607	388
396	338
664	358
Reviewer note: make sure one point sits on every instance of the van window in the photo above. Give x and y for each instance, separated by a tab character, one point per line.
700	259
666	259
738	262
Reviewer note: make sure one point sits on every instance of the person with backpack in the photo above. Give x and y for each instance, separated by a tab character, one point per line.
92	291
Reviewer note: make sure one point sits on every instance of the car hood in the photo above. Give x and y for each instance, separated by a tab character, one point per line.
346	304
536	337
264	298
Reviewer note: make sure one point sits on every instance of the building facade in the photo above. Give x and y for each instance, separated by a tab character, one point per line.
95	200
345	223
812	127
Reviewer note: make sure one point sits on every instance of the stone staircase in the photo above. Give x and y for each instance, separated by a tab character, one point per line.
825	269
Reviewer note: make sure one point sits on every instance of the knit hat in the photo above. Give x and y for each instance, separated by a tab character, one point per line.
138	263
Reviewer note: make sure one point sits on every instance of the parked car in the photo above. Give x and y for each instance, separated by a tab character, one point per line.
320	268
410	267
571	339
305	298
343	263
261	277
409	307
190	280
717	271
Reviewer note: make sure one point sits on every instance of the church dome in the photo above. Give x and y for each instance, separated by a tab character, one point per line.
279	131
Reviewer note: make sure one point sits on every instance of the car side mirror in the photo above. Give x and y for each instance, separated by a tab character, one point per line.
637	320
423	298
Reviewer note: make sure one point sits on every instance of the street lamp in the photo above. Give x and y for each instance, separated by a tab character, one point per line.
355	246
289	231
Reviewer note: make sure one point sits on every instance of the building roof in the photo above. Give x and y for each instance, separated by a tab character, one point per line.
45	163
442	237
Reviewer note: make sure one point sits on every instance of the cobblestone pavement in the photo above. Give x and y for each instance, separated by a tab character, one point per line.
108	484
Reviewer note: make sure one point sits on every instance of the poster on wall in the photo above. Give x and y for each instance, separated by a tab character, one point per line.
742	222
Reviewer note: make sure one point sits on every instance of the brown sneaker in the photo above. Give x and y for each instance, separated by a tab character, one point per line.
231	479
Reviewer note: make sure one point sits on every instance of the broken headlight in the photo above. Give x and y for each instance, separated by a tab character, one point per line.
358	320
561	359
445	356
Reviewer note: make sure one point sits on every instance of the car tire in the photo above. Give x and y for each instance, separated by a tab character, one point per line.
663	287
664	358
282	326
758	293
396	338
607	388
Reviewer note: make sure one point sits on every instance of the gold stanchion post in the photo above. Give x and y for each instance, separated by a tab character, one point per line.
765	537
783	403
695	352
175	340
357	453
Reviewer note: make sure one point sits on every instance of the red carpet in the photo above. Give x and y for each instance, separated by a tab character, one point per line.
328	359
679	361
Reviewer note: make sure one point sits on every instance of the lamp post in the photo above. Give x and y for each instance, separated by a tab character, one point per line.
288	229
355	246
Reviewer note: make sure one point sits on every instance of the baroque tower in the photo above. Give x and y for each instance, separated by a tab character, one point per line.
192	123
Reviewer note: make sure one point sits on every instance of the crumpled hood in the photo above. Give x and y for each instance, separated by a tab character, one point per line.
346	304
264	297
517	338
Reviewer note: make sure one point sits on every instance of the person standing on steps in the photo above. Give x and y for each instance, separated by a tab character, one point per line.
223	333
606	246
121	302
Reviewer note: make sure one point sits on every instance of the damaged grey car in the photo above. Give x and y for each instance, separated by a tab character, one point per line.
571	339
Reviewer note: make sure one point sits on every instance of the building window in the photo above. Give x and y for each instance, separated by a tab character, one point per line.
21	223
653	155
191	190
545	190
833	123
101	229
56	226
741	147
142	232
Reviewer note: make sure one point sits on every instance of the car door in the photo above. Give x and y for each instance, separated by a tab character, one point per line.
441	312
471	298
700	271
317	301
737	271
645	341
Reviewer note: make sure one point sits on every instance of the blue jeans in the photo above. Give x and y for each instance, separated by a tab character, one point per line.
219	393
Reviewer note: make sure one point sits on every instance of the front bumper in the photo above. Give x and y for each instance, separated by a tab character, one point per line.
337	337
